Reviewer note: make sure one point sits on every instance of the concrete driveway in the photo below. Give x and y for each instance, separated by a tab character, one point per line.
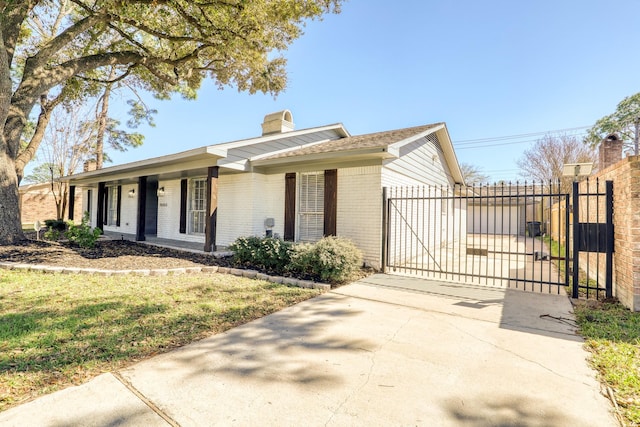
386	350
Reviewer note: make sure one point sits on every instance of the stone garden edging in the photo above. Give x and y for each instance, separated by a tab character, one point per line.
250	274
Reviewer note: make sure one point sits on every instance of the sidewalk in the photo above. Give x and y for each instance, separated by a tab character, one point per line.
387	350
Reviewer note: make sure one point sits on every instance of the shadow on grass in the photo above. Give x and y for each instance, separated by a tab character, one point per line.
111	332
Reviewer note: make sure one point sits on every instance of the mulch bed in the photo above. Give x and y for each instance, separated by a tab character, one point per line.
107	255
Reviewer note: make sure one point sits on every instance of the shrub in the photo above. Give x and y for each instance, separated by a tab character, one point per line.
82	234
52	234
332	259
55	224
267	253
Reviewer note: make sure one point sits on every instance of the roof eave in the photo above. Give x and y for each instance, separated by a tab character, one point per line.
155	164
372	152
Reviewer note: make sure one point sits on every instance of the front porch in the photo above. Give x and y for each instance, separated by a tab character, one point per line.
195	247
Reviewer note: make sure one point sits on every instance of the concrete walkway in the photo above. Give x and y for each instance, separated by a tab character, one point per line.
386	350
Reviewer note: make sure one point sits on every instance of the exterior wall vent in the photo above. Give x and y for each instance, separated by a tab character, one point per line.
278	122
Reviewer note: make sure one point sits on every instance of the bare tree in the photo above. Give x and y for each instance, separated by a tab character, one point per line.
472	174
67	143
544	161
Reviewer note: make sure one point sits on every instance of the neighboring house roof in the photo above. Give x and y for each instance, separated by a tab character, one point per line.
326	143
39	187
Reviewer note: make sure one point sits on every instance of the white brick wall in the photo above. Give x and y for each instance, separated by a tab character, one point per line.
359	215
245	201
169	214
235	207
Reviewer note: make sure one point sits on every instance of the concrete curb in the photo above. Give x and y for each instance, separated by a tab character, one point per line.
250	274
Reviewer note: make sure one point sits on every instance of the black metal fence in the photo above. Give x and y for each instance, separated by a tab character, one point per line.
508	235
593	246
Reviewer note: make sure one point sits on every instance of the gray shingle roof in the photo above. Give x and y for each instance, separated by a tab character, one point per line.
371	140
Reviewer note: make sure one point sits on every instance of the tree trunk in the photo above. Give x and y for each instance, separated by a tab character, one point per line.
102	121
10	224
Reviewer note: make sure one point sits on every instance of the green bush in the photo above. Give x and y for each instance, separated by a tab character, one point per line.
82	234
56	224
52	234
332	259
267	253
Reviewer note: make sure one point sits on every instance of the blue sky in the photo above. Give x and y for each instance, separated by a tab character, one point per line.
487	68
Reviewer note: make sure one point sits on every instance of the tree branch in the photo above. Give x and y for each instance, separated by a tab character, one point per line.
46	108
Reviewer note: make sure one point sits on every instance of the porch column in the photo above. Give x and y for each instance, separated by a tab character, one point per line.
72	201
142	209
212	210
100	210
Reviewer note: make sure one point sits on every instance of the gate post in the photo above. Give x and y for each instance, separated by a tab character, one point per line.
385	230
576	240
610	239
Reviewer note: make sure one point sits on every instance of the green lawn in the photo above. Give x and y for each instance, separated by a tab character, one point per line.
59	330
613	336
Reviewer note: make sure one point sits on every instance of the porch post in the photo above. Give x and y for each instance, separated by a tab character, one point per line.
212	209
142	209
100	210
72	201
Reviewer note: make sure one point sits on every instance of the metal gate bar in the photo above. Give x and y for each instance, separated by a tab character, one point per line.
458	233
593	233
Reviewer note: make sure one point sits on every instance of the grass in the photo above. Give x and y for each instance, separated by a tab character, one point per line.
612	334
558	250
60	330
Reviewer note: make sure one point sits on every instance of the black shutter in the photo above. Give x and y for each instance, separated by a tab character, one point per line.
141	223
330	201
118	205
105	206
100	207
290	206
183	206
72	201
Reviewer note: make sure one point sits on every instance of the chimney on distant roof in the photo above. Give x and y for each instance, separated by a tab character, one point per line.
610	151
90	165
278	122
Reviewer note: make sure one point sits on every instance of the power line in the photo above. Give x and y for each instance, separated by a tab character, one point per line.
518	136
507	143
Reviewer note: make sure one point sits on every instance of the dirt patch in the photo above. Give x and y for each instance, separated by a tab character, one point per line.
107	255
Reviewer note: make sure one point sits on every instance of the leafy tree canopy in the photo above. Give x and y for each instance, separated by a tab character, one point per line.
162	46
625	122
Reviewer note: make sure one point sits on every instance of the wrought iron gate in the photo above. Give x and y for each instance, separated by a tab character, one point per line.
517	236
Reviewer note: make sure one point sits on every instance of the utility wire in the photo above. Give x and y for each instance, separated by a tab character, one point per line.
482	142
518	136
481	145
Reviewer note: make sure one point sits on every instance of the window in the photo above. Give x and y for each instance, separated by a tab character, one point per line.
311	206
197	206
112	207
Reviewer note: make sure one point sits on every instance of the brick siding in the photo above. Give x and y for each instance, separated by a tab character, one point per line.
38	204
625	175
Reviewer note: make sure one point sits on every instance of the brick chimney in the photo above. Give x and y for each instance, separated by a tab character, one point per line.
610	151
278	122
90	165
